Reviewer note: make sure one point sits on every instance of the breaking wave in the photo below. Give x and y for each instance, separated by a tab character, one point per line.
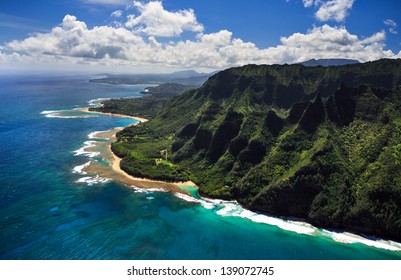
83	150
233	209
67	114
79	169
90	181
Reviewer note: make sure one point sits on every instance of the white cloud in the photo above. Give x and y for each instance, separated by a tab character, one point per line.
221	38
308	3
73	39
392	25
117	13
74	43
334	42
154	20
336	10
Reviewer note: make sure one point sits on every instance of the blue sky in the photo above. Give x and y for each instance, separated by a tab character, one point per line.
169	35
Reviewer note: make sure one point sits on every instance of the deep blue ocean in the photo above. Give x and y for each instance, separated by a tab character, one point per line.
47	213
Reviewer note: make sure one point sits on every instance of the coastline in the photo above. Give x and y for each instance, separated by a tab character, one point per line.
124	177
115	165
226	208
86	110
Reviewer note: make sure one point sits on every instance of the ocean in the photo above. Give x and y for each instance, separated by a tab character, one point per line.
50	209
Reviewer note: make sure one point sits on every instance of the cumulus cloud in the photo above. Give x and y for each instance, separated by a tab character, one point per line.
336	10
392	25
72	38
73	41
221	38
308	3
154	20
117	13
335	42
137	46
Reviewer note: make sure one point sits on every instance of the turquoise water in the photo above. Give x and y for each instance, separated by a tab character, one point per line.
46	213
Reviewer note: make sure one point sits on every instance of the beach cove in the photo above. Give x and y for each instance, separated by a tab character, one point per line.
114	161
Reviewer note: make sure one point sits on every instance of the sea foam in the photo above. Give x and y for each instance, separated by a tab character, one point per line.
147	191
83	151
93	135
79	169
90	181
233	209
97	102
63	114
346	237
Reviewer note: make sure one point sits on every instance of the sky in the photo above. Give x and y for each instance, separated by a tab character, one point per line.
128	36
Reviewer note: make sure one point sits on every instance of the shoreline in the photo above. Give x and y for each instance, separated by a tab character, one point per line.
86	110
115	161
115	165
174	187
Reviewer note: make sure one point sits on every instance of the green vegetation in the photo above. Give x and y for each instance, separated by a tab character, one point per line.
168	89
145	107
320	144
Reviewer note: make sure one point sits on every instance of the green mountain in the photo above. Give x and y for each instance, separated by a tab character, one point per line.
168	89
321	144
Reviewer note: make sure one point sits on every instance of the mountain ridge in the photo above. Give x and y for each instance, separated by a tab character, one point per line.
325	62
314	143
188	77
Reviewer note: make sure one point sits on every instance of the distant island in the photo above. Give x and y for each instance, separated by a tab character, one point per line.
168	89
321	144
181	77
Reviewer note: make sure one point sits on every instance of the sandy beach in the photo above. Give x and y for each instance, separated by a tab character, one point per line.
115	172
144	182
86	110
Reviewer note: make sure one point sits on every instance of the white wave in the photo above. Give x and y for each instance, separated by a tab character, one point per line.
186	197
97	101
147	191
87	145
156	190
207	205
294	226
90	181
233	209
92	135
226	210
204	203
65	117
139	190
150	198
79	169
346	237
48	112
59	114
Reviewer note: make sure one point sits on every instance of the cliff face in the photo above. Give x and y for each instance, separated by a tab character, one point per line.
322	144
337	170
